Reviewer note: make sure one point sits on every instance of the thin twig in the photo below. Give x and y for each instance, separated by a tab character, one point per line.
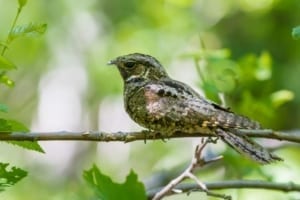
11	29
234	184
196	162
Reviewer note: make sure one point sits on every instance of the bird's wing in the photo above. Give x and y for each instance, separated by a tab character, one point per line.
177	101
216	115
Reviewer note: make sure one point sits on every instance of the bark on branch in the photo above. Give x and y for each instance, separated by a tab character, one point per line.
292	136
233	184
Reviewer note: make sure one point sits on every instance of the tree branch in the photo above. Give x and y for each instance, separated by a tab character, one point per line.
196	162
292	136
232	184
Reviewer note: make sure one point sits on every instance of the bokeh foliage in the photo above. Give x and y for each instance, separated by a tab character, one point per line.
241	49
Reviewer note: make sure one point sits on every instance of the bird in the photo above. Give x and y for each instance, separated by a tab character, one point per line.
159	103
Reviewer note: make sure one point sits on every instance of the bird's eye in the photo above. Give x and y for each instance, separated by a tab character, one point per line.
129	64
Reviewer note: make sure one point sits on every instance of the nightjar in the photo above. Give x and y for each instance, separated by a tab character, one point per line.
159	103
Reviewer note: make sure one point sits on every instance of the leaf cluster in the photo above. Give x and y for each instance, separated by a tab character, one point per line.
240	84
10	177
105	188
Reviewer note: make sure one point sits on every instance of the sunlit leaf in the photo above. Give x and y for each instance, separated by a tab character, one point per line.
208	54
281	97
194	54
17	126
6	81
7	125
296	33
210	91
5	64
264	68
247	65
29	145
10	177
219	54
222	73
105	188
4	126
22	3
31	29
3	108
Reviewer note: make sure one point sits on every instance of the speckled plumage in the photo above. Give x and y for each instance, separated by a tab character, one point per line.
159	103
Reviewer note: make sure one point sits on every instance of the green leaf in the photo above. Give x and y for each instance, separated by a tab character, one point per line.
31	29
281	97
208	54
106	189
5	64
4	126
264	67
296	33
222	73
6	80
22	3
210	91
17	126
10	177
3	108
8	126
29	145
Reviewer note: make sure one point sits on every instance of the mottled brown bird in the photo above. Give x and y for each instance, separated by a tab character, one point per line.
157	102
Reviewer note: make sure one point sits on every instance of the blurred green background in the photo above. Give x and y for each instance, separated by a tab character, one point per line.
63	83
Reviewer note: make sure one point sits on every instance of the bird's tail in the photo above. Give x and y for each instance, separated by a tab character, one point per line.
231	120
244	145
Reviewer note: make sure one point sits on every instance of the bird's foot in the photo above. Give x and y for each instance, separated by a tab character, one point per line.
212	140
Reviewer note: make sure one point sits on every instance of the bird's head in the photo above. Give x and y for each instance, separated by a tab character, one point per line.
139	65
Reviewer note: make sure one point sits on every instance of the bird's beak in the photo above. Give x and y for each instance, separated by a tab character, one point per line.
112	62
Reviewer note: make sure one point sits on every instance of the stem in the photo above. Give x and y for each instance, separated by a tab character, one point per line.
196	162
201	66
233	184
11	29
198	67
